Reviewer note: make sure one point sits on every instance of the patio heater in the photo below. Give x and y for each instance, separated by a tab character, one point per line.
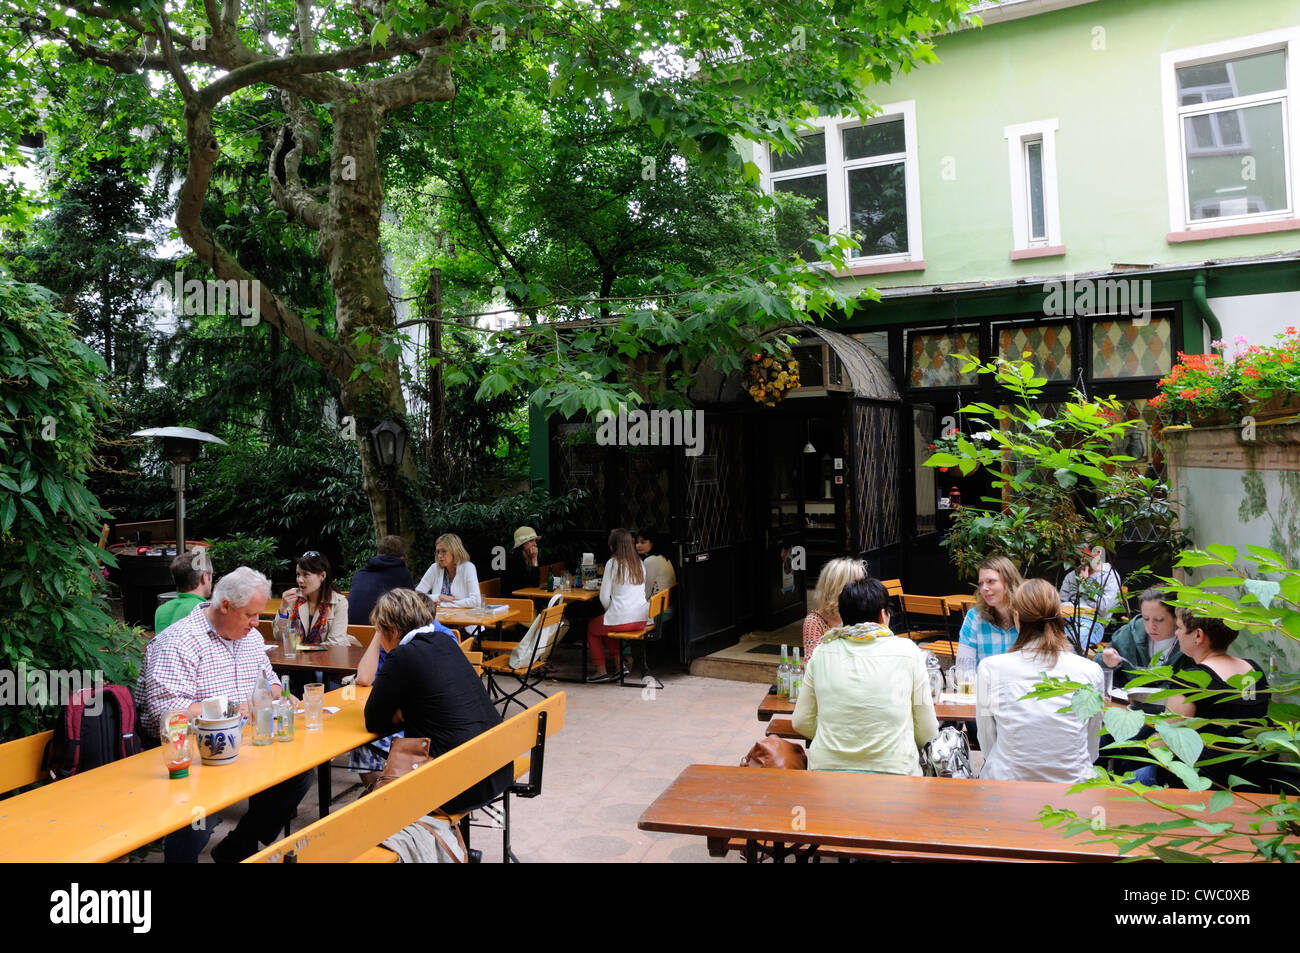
388	444
181	446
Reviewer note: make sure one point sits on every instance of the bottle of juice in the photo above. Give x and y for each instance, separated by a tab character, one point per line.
796	676
783	674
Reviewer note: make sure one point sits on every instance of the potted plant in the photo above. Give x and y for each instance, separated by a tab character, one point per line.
1201	388
1269	382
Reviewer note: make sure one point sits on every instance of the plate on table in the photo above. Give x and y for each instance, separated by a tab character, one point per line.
1118	695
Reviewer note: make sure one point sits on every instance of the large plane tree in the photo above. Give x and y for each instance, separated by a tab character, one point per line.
701	75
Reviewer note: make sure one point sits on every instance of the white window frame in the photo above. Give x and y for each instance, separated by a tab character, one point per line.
1180	219
1018	138
837	169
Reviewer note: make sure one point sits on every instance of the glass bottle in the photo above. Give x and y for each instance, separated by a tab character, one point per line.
284	713
796	676
262	714
783	674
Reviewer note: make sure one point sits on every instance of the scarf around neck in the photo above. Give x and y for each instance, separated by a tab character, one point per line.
859	632
319	626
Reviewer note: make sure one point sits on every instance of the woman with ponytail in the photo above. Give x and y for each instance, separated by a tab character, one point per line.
1034	740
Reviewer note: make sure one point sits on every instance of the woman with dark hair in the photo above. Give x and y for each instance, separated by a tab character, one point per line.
865	699
622	593
315	609
1147	639
1026	739
659	573
427	689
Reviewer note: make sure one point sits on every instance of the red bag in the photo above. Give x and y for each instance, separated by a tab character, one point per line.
774	752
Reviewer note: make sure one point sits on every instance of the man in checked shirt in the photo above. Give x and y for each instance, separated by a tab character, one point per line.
216	650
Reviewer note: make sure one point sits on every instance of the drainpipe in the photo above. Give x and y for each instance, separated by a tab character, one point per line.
1203	307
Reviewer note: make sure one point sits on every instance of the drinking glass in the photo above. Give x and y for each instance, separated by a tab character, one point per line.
1107	681
289	642
313	700
965	678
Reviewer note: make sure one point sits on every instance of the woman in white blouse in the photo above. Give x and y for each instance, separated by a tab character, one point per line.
622	593
452	580
1028	740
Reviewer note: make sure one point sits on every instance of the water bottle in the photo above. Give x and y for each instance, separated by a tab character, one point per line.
796	676
783	674
262	716
284	713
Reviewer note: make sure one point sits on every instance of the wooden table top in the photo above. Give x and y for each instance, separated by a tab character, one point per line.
924	815
570	595
109	811
335	660
459	618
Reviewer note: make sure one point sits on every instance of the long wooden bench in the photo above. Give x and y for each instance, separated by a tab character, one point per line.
20	761
354	833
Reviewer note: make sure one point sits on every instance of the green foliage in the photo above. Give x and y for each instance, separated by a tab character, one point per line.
306	495
1247	602
1059	480
258	552
54	614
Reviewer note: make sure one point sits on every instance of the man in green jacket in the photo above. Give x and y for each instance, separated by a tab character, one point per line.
1145	640
192	574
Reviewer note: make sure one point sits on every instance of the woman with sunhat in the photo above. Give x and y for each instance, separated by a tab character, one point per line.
522	568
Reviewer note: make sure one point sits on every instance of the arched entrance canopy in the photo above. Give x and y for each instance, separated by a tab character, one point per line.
860	372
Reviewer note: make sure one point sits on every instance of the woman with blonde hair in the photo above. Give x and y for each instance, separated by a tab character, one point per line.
452	580
1027	739
427	688
825	614
989	628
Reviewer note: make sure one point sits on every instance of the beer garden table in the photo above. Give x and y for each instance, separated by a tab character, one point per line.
107	812
909	817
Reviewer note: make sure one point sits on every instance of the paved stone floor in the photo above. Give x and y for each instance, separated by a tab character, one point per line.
619	749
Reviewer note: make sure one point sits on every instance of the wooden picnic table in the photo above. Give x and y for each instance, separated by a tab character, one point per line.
896	815
461	618
334	660
109	811
570	595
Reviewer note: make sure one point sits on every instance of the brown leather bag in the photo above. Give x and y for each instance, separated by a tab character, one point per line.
405	755
774	752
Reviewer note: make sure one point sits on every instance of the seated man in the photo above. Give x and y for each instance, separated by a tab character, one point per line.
522	570
387	570
865	699
192	574
216	650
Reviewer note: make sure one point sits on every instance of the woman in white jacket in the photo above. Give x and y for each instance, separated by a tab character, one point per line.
622	593
452	580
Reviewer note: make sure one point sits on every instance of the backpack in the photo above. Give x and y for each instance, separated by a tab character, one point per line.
85	739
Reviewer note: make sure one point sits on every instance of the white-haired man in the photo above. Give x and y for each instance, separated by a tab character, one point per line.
216	650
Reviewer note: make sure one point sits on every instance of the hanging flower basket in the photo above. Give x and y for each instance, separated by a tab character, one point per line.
768	379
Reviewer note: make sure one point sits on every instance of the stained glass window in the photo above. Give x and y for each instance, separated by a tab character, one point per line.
1048	346
930	363
1122	348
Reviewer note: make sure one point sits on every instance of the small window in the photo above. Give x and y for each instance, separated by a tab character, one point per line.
1035	209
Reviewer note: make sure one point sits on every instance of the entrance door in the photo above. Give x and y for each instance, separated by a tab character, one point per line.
717	585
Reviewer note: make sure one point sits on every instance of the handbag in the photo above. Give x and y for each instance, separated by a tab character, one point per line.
774	752
405	755
947	754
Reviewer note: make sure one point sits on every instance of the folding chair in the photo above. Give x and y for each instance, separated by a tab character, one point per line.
930	607
267	628
894	587
658	603
362	633
526	661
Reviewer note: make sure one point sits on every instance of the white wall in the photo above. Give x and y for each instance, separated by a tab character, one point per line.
1258	317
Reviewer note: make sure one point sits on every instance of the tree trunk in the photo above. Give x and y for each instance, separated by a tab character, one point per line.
349	245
